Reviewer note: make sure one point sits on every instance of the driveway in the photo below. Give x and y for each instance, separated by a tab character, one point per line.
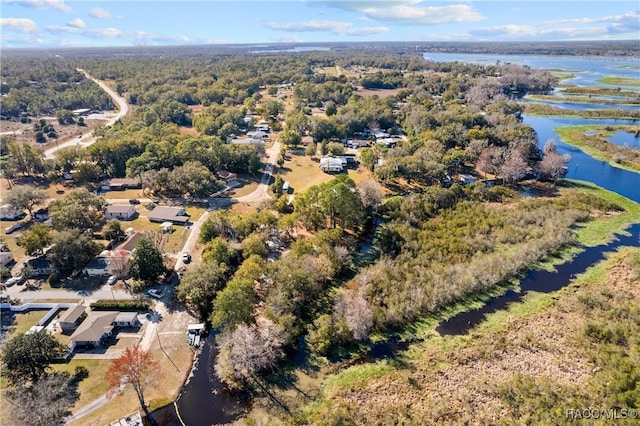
260	194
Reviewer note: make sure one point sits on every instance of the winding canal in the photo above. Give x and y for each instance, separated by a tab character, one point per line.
586	72
203	400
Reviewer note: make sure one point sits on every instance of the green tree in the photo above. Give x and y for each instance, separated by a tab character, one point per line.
28	356
234	304
290	138
78	209
146	263
35	239
368	158
25	197
72	250
112	230
200	284
254	244
217	251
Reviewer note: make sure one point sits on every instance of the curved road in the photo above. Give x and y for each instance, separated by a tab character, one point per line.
87	139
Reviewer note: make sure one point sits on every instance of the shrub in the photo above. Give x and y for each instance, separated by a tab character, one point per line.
53	279
120	305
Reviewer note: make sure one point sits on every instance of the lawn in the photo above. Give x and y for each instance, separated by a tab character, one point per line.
24	321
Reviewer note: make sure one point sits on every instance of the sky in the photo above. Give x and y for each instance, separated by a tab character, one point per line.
86	23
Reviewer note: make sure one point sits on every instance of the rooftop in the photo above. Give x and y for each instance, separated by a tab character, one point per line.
168	214
72	313
94	327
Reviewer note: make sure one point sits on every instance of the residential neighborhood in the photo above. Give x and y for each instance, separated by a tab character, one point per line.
301	233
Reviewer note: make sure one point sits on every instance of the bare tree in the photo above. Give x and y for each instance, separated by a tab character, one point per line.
356	312
514	167
247	350
370	193
553	165
490	160
119	265
45	402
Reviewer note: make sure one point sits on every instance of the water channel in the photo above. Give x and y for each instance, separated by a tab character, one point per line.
203	400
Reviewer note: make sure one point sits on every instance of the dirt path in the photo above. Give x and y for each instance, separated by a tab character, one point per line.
87	139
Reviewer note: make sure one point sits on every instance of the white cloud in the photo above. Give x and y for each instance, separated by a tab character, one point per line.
627	24
106	33
100	13
410	12
336	27
525	32
76	23
23	25
42	4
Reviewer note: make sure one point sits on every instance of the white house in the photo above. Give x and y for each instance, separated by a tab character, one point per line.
465	179
72	317
98	267
332	164
121	212
127	319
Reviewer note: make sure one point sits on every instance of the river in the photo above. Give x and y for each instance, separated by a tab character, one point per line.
203	400
581	166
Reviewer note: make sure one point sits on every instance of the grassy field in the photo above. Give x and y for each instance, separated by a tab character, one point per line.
583	99
303	172
598	147
24	321
621	81
535	337
534	355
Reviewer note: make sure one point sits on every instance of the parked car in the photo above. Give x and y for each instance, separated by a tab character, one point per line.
134	201
186	257
153	292
112	280
15	280
13	228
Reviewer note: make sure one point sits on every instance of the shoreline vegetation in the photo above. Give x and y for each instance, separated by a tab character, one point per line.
620	81
596	91
336	386
583	100
591	139
554	351
549	110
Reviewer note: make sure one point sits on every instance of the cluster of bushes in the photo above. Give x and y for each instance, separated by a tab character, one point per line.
120	305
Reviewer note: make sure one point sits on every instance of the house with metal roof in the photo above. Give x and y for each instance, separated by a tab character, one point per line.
121	212
176	215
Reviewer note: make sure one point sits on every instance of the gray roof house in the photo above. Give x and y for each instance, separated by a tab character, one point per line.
72	317
120	184
169	214
95	329
127	319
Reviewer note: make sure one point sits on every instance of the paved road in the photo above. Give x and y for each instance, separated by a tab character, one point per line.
105	292
87	139
261	194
